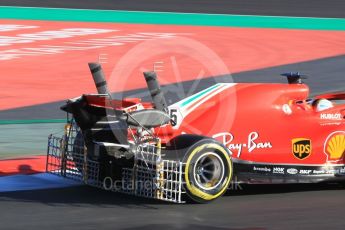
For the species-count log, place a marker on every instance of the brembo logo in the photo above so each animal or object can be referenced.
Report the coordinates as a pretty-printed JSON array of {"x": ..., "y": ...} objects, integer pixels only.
[
  {"x": 301, "y": 148},
  {"x": 330, "y": 116}
]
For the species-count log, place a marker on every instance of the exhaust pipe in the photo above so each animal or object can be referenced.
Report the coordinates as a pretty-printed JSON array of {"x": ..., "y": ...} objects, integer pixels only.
[
  {"x": 99, "y": 78},
  {"x": 155, "y": 91}
]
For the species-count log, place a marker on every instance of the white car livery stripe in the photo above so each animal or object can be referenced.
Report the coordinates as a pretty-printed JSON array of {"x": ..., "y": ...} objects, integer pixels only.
[{"x": 190, "y": 103}]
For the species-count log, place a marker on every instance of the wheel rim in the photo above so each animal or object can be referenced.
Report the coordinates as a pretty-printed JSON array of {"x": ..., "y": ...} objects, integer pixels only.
[{"x": 208, "y": 171}]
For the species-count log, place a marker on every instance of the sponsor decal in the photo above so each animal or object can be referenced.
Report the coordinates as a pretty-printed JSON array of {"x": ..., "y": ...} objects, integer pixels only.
[
  {"x": 320, "y": 171},
  {"x": 331, "y": 116},
  {"x": 251, "y": 145},
  {"x": 279, "y": 170},
  {"x": 331, "y": 171},
  {"x": 298, "y": 170},
  {"x": 292, "y": 171},
  {"x": 334, "y": 146},
  {"x": 301, "y": 148},
  {"x": 305, "y": 171},
  {"x": 342, "y": 170},
  {"x": 330, "y": 123},
  {"x": 261, "y": 169}
]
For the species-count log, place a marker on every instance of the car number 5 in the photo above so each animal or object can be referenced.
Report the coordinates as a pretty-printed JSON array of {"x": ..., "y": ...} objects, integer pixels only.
[{"x": 173, "y": 117}]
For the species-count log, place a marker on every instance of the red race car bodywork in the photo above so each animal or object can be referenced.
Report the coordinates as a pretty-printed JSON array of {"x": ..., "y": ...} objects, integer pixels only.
[
  {"x": 272, "y": 129},
  {"x": 268, "y": 128},
  {"x": 259, "y": 132}
]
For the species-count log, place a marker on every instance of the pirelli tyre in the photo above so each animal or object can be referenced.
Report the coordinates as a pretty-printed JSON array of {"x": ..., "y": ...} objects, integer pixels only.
[{"x": 208, "y": 170}]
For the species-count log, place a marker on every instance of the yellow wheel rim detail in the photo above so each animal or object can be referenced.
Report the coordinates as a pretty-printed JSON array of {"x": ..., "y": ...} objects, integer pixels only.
[{"x": 194, "y": 190}]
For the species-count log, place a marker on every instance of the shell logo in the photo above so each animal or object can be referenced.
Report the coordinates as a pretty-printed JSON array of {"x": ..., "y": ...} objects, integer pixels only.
[{"x": 335, "y": 145}]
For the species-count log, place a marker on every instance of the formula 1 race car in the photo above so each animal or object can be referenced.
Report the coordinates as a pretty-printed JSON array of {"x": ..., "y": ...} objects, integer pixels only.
[{"x": 194, "y": 149}]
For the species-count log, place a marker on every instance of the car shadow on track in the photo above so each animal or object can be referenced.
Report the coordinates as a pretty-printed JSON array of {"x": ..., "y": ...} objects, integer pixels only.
[
  {"x": 262, "y": 189},
  {"x": 84, "y": 195},
  {"x": 78, "y": 196}
]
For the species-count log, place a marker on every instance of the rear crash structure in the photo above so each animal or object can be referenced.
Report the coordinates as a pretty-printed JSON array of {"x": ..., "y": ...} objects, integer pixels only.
[{"x": 121, "y": 146}]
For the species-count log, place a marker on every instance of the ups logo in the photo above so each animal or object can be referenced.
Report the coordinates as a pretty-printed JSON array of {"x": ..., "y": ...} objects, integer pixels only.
[{"x": 301, "y": 148}]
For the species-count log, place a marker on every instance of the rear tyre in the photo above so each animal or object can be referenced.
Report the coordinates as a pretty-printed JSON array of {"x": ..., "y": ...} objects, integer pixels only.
[{"x": 208, "y": 170}]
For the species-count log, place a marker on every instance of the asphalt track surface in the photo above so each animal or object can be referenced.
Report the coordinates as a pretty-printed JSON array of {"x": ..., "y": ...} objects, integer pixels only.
[
  {"x": 252, "y": 207},
  {"x": 249, "y": 207},
  {"x": 302, "y": 8}
]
